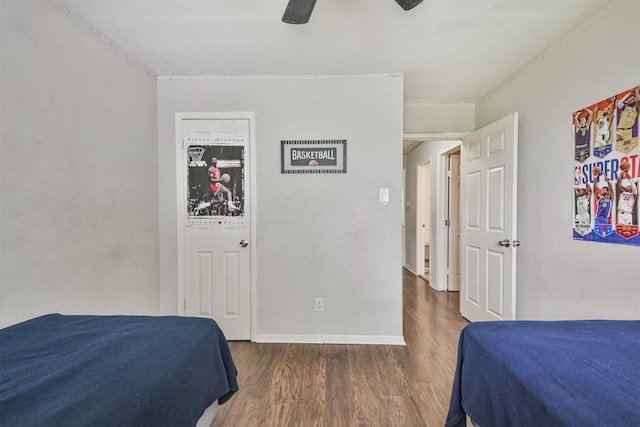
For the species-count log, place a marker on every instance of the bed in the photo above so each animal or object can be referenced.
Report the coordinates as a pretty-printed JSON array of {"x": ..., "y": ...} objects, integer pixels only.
[
  {"x": 547, "y": 373},
  {"x": 58, "y": 370}
]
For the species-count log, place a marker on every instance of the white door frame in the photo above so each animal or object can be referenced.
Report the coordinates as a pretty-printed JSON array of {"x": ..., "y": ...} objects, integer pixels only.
[
  {"x": 420, "y": 200},
  {"x": 452, "y": 248},
  {"x": 442, "y": 230},
  {"x": 181, "y": 198},
  {"x": 443, "y": 196},
  {"x": 404, "y": 214}
]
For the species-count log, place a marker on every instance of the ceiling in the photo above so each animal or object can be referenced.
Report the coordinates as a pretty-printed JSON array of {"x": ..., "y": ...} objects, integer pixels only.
[{"x": 448, "y": 50}]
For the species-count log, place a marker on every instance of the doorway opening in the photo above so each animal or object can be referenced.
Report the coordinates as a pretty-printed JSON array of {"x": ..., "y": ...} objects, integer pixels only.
[{"x": 427, "y": 182}]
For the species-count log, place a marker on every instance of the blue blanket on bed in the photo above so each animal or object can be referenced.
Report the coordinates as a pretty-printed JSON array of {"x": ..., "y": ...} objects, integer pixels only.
[
  {"x": 138, "y": 371},
  {"x": 560, "y": 373}
]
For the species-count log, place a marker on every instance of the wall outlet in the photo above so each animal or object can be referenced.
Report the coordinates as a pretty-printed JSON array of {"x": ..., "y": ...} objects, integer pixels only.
[{"x": 319, "y": 304}]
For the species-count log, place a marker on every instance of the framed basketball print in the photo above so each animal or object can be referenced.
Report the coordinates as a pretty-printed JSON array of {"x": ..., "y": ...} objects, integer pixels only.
[{"x": 314, "y": 156}]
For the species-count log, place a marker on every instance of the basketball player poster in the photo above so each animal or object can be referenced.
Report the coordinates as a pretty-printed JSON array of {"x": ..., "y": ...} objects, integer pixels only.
[
  {"x": 607, "y": 170},
  {"x": 215, "y": 179}
]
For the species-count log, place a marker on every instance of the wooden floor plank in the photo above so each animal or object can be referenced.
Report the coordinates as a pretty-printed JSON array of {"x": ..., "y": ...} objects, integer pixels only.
[{"x": 334, "y": 385}]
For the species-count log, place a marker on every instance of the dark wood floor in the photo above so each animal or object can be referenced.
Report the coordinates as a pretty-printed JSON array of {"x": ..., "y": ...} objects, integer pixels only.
[{"x": 354, "y": 385}]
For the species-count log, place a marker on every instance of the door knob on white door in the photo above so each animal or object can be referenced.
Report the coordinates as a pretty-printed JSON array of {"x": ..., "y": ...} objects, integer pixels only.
[
  {"x": 506, "y": 243},
  {"x": 243, "y": 243}
]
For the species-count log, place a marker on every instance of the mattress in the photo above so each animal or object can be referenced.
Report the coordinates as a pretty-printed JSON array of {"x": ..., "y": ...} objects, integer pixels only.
[
  {"x": 61, "y": 370},
  {"x": 556, "y": 373}
]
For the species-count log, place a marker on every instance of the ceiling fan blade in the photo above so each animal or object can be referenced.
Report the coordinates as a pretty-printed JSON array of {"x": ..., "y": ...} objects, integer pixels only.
[
  {"x": 408, "y": 4},
  {"x": 298, "y": 11}
]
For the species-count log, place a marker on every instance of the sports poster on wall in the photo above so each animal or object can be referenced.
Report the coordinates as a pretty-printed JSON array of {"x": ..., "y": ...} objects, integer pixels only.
[
  {"x": 313, "y": 156},
  {"x": 607, "y": 170},
  {"x": 215, "y": 179}
]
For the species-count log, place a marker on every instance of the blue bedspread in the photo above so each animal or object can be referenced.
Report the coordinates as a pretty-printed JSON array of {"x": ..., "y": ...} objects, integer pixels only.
[
  {"x": 560, "y": 373},
  {"x": 107, "y": 371}
]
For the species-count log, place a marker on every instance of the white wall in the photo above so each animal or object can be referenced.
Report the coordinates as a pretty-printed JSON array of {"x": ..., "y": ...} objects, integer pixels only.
[
  {"x": 558, "y": 277},
  {"x": 317, "y": 235},
  {"x": 427, "y": 152},
  {"x": 78, "y": 171},
  {"x": 424, "y": 117}
]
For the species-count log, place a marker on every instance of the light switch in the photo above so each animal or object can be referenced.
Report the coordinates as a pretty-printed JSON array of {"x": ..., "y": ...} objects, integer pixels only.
[{"x": 384, "y": 195}]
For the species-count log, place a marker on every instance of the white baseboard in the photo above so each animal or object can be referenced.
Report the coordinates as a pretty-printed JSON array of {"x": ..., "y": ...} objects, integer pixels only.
[
  {"x": 431, "y": 282},
  {"x": 331, "y": 339},
  {"x": 411, "y": 270}
]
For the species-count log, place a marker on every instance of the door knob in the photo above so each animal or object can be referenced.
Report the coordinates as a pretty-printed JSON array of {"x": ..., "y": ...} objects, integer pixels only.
[
  {"x": 516, "y": 243},
  {"x": 243, "y": 243},
  {"x": 506, "y": 243}
]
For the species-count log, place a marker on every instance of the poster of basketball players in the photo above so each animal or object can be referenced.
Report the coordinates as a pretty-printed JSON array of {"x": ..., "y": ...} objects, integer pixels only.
[
  {"x": 607, "y": 170},
  {"x": 215, "y": 180}
]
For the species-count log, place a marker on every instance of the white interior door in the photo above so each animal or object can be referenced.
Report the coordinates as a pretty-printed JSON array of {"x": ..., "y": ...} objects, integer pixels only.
[
  {"x": 488, "y": 189},
  {"x": 214, "y": 219}
]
